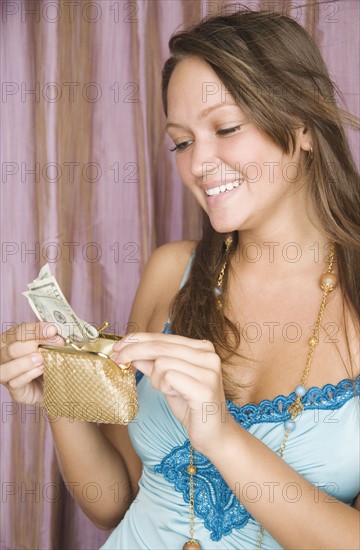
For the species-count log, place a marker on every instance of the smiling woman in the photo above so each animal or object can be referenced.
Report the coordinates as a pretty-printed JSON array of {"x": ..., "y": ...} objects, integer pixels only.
[
  {"x": 221, "y": 145},
  {"x": 248, "y": 376},
  {"x": 240, "y": 393}
]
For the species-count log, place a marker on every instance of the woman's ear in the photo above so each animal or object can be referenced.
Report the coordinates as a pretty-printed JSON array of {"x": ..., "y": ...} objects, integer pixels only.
[{"x": 305, "y": 138}]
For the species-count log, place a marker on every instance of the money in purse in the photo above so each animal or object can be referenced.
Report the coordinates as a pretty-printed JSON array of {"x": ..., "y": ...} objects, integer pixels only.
[{"x": 81, "y": 381}]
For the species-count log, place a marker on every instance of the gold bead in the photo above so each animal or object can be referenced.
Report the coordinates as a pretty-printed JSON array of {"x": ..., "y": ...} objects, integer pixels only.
[
  {"x": 228, "y": 242},
  {"x": 191, "y": 469},
  {"x": 328, "y": 281},
  {"x": 191, "y": 545},
  {"x": 313, "y": 341}
]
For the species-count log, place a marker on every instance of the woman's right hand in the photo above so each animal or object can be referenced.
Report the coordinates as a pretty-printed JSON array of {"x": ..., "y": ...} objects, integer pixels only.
[{"x": 21, "y": 364}]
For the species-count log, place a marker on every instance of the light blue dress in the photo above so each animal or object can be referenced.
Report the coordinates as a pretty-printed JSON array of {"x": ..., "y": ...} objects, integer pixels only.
[{"x": 324, "y": 448}]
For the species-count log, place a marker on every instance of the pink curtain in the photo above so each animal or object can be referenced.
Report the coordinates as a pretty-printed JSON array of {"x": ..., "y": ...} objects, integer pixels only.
[{"x": 89, "y": 186}]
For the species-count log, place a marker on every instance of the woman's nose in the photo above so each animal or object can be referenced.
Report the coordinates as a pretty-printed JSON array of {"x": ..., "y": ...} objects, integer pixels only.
[{"x": 204, "y": 160}]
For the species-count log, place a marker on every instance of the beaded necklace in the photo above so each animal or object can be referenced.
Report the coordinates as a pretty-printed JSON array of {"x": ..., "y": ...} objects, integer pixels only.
[{"x": 327, "y": 283}]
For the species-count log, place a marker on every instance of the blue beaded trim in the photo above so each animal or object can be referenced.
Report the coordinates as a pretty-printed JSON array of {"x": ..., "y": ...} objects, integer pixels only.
[
  {"x": 329, "y": 397},
  {"x": 214, "y": 502}
]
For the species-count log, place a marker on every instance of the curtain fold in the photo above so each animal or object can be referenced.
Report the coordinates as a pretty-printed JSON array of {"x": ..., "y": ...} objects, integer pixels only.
[{"x": 89, "y": 185}]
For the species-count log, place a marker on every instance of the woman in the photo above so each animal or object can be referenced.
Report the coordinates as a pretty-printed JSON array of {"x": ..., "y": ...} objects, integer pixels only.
[{"x": 218, "y": 454}]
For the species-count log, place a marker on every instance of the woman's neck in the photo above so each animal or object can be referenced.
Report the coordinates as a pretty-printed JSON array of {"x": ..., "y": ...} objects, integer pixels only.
[{"x": 281, "y": 253}]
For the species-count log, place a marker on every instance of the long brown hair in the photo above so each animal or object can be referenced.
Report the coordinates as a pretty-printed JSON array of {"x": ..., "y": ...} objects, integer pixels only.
[{"x": 275, "y": 72}]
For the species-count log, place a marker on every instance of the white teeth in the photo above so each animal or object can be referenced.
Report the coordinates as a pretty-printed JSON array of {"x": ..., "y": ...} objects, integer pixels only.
[{"x": 223, "y": 188}]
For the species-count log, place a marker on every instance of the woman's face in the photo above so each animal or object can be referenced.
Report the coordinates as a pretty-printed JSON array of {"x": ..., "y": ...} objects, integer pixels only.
[{"x": 217, "y": 144}]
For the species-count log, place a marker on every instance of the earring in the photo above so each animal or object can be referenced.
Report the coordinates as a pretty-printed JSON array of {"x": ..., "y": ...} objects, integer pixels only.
[{"x": 311, "y": 153}]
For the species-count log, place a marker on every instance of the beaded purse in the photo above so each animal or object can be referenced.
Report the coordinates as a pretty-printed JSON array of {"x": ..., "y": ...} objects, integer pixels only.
[{"x": 86, "y": 384}]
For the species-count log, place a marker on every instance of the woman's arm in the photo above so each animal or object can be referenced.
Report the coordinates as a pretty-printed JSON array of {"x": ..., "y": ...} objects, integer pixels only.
[
  {"x": 93, "y": 471},
  {"x": 315, "y": 520},
  {"x": 98, "y": 463}
]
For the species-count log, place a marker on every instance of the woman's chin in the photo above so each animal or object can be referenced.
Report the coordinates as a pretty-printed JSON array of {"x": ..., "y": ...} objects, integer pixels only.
[{"x": 222, "y": 227}]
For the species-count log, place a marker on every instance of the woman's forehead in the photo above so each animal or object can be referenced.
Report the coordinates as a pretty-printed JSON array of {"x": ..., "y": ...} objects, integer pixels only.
[{"x": 194, "y": 85}]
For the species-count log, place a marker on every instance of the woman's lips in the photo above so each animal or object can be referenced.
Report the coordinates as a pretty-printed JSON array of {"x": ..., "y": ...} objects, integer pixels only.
[{"x": 214, "y": 200}]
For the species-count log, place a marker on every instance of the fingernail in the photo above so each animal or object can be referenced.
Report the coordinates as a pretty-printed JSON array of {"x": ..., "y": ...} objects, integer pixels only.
[
  {"x": 114, "y": 357},
  {"x": 37, "y": 359}
]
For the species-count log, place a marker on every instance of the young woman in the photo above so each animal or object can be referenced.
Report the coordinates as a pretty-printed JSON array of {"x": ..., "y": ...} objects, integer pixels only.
[{"x": 247, "y": 434}]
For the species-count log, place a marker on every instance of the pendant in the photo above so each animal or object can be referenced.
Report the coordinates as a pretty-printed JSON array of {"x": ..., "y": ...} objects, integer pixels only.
[{"x": 192, "y": 544}]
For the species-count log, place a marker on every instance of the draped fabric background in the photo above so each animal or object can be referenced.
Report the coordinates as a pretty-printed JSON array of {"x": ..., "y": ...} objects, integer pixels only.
[{"x": 88, "y": 184}]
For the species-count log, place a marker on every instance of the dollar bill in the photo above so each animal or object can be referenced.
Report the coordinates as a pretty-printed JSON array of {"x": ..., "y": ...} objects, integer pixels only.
[
  {"x": 50, "y": 305},
  {"x": 44, "y": 273}
]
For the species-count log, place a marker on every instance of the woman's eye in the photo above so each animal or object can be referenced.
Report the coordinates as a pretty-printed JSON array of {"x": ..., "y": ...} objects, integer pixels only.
[
  {"x": 181, "y": 146},
  {"x": 226, "y": 131}
]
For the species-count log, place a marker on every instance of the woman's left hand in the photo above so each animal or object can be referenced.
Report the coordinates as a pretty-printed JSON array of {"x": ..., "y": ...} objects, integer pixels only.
[{"x": 188, "y": 373}]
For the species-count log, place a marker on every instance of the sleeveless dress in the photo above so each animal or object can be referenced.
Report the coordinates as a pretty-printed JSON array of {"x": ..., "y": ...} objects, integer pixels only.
[{"x": 324, "y": 449}]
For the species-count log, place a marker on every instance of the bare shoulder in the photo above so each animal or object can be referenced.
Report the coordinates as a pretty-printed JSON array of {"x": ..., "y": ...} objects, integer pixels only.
[
  {"x": 159, "y": 282},
  {"x": 177, "y": 250},
  {"x": 173, "y": 256}
]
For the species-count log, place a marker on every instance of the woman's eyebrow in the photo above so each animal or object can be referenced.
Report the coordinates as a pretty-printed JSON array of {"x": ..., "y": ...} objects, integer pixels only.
[{"x": 204, "y": 113}]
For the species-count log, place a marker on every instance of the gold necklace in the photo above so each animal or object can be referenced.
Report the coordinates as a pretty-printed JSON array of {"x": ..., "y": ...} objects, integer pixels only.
[{"x": 328, "y": 281}]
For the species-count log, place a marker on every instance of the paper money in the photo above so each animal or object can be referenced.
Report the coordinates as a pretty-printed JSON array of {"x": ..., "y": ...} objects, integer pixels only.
[
  {"x": 43, "y": 274},
  {"x": 50, "y": 305}
]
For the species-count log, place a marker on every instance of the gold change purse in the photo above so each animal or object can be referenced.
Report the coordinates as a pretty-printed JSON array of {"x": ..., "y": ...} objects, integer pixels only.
[{"x": 85, "y": 384}]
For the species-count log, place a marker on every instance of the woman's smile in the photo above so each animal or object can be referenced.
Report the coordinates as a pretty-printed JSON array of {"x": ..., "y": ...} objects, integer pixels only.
[{"x": 219, "y": 194}]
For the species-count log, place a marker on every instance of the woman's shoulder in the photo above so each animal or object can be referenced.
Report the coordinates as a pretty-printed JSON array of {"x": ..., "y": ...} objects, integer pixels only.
[
  {"x": 176, "y": 252},
  {"x": 168, "y": 260},
  {"x": 159, "y": 282}
]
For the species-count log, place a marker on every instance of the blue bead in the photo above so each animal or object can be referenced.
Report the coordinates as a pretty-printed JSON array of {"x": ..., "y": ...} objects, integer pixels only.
[
  {"x": 217, "y": 291},
  {"x": 290, "y": 425},
  {"x": 300, "y": 390}
]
